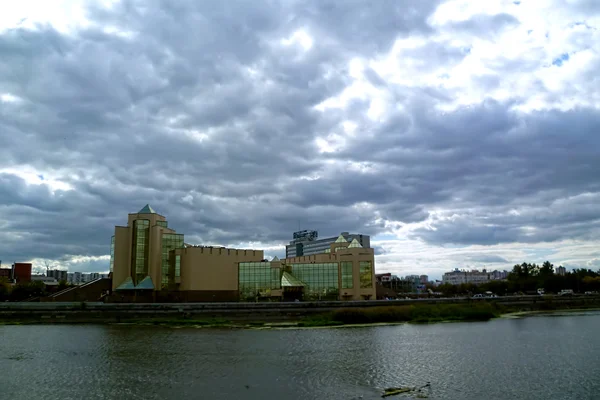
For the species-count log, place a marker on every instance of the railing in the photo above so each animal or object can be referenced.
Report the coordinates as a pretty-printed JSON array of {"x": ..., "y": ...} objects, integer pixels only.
[{"x": 74, "y": 287}]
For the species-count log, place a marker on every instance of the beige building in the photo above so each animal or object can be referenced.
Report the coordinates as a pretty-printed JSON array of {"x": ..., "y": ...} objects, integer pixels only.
[
  {"x": 346, "y": 270},
  {"x": 151, "y": 262}
]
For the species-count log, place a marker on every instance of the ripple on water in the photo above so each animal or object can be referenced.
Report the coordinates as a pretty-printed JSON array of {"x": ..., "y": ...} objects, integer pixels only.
[{"x": 535, "y": 358}]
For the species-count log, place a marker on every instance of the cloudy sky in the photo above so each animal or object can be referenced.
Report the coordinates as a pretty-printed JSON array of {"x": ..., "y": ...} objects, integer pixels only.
[{"x": 457, "y": 133}]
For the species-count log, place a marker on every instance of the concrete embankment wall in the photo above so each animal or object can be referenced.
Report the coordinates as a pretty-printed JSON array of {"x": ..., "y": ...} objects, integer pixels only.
[{"x": 115, "y": 312}]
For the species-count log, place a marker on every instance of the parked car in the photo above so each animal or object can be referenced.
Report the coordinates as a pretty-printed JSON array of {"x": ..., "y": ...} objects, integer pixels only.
[{"x": 566, "y": 292}]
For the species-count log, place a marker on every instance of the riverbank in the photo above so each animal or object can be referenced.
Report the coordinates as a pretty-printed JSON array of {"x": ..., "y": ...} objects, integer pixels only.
[{"x": 341, "y": 317}]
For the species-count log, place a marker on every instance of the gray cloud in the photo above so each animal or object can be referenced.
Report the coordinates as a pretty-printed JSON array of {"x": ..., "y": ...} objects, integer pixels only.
[
  {"x": 202, "y": 112},
  {"x": 488, "y": 258},
  {"x": 485, "y": 25}
]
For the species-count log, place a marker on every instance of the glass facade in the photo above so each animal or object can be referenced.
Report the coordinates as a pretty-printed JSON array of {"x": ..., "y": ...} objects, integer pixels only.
[
  {"x": 366, "y": 274},
  {"x": 112, "y": 253},
  {"x": 141, "y": 236},
  {"x": 257, "y": 279},
  {"x": 177, "y": 266},
  {"x": 164, "y": 224},
  {"x": 347, "y": 282},
  {"x": 170, "y": 241},
  {"x": 321, "y": 280}
]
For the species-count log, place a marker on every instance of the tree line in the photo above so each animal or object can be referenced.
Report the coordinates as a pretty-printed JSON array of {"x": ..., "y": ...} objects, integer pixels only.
[{"x": 527, "y": 278}]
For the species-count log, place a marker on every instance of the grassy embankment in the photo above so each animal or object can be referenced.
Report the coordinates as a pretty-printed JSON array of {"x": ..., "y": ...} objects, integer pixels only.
[
  {"x": 427, "y": 313},
  {"x": 421, "y": 313},
  {"x": 413, "y": 313}
]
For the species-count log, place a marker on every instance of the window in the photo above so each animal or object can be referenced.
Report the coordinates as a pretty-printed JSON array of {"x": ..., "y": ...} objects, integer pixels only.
[
  {"x": 177, "y": 266},
  {"x": 366, "y": 274},
  {"x": 257, "y": 279},
  {"x": 321, "y": 280},
  {"x": 347, "y": 281},
  {"x": 164, "y": 224},
  {"x": 112, "y": 253},
  {"x": 140, "y": 248},
  {"x": 170, "y": 241}
]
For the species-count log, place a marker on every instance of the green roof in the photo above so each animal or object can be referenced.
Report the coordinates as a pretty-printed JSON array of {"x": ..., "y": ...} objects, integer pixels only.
[
  {"x": 341, "y": 239},
  {"x": 146, "y": 283},
  {"x": 126, "y": 285},
  {"x": 289, "y": 280},
  {"x": 147, "y": 210},
  {"x": 354, "y": 244}
]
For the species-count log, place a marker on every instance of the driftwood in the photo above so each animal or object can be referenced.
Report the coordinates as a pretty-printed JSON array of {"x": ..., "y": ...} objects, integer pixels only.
[{"x": 393, "y": 391}]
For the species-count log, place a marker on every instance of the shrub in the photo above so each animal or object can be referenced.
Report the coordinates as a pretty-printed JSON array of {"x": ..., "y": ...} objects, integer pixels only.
[{"x": 418, "y": 313}]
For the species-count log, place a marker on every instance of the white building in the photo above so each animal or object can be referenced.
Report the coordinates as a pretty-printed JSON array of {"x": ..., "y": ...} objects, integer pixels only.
[
  {"x": 77, "y": 278},
  {"x": 458, "y": 277}
]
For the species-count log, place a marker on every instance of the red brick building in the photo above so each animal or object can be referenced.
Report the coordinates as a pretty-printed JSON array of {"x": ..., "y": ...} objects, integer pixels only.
[{"x": 22, "y": 272}]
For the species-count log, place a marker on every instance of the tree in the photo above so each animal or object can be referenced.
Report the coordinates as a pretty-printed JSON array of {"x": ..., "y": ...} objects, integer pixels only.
[
  {"x": 547, "y": 269},
  {"x": 5, "y": 289},
  {"x": 591, "y": 282},
  {"x": 23, "y": 291}
]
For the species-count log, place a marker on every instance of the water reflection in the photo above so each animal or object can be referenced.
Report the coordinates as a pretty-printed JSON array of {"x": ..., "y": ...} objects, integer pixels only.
[{"x": 534, "y": 358}]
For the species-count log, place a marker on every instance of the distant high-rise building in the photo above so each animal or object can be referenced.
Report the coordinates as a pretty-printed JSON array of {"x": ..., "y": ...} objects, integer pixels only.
[
  {"x": 306, "y": 243},
  {"x": 561, "y": 270},
  {"x": 58, "y": 274},
  {"x": 498, "y": 275}
]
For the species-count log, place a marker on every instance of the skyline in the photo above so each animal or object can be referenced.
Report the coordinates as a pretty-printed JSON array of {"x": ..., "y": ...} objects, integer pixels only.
[{"x": 455, "y": 133}]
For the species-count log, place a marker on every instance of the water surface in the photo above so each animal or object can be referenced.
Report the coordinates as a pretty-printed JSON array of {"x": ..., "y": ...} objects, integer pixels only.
[{"x": 541, "y": 357}]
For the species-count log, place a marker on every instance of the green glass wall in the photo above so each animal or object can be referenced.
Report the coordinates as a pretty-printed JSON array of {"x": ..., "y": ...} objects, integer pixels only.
[
  {"x": 170, "y": 241},
  {"x": 141, "y": 237},
  {"x": 112, "y": 253},
  {"x": 164, "y": 224},
  {"x": 177, "y": 266},
  {"x": 321, "y": 280},
  {"x": 257, "y": 279},
  {"x": 366, "y": 274},
  {"x": 347, "y": 281}
]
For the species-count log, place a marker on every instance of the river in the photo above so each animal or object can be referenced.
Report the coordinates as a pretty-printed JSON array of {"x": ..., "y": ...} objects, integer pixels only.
[{"x": 540, "y": 357}]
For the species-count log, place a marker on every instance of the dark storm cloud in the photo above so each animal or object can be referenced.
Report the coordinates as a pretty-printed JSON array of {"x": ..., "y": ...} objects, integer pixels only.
[
  {"x": 116, "y": 112},
  {"x": 201, "y": 111}
]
